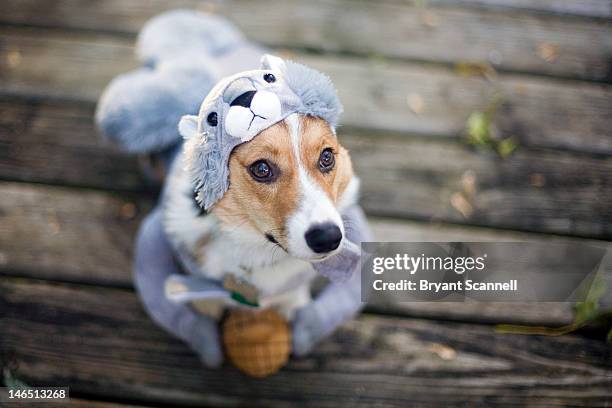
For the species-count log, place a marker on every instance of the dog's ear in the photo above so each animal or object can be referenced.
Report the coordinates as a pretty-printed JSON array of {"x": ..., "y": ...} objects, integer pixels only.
[
  {"x": 273, "y": 63},
  {"x": 188, "y": 126}
]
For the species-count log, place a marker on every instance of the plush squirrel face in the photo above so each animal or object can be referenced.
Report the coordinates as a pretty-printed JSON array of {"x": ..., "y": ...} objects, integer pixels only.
[
  {"x": 254, "y": 110},
  {"x": 263, "y": 153}
]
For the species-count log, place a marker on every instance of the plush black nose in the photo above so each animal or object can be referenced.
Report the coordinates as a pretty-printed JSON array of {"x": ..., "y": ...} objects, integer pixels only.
[
  {"x": 244, "y": 99},
  {"x": 323, "y": 237}
]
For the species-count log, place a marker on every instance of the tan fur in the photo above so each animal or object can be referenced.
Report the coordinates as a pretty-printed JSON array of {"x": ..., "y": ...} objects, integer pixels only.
[
  {"x": 266, "y": 207},
  {"x": 317, "y": 136}
]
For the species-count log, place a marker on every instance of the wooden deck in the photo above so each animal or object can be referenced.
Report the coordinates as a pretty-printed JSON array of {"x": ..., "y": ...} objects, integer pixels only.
[{"x": 409, "y": 73}]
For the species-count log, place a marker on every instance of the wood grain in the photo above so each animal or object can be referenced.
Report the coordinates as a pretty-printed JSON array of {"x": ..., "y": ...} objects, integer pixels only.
[
  {"x": 407, "y": 177},
  {"x": 57, "y": 233},
  {"x": 74, "y": 403},
  {"x": 87, "y": 236},
  {"x": 68, "y": 315},
  {"x": 432, "y": 31},
  {"x": 377, "y": 94},
  {"x": 100, "y": 348},
  {"x": 585, "y": 8},
  {"x": 435, "y": 180},
  {"x": 57, "y": 143}
]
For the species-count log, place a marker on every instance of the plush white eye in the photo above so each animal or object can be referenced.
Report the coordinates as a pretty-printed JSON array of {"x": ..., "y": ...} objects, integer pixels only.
[
  {"x": 237, "y": 121},
  {"x": 244, "y": 122},
  {"x": 267, "y": 105}
]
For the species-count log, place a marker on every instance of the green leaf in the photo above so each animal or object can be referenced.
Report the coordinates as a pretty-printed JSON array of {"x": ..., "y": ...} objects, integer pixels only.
[
  {"x": 13, "y": 383},
  {"x": 506, "y": 147},
  {"x": 585, "y": 312},
  {"x": 597, "y": 289},
  {"x": 478, "y": 128}
]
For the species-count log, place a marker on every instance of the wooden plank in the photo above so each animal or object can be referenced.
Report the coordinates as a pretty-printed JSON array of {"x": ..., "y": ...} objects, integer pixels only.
[
  {"x": 74, "y": 403},
  {"x": 411, "y": 98},
  {"x": 99, "y": 348},
  {"x": 57, "y": 143},
  {"x": 391, "y": 96},
  {"x": 61, "y": 66},
  {"x": 59, "y": 233},
  {"x": 83, "y": 403},
  {"x": 86, "y": 236},
  {"x": 583, "y": 8},
  {"x": 427, "y": 179},
  {"x": 407, "y": 30},
  {"x": 532, "y": 191}
]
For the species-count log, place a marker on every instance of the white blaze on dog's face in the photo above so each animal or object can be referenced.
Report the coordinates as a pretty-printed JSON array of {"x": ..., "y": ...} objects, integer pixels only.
[{"x": 286, "y": 185}]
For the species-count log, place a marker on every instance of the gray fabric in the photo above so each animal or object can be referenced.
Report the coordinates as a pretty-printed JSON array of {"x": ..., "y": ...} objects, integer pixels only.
[
  {"x": 185, "y": 54},
  {"x": 299, "y": 89},
  {"x": 153, "y": 264},
  {"x": 339, "y": 301},
  {"x": 139, "y": 110}
]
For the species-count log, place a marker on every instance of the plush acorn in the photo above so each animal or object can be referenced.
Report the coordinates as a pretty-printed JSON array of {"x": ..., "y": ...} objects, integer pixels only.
[{"x": 258, "y": 343}]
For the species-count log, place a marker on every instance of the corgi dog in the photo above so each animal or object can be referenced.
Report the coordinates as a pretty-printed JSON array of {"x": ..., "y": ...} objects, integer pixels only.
[
  {"x": 258, "y": 197},
  {"x": 282, "y": 212}
]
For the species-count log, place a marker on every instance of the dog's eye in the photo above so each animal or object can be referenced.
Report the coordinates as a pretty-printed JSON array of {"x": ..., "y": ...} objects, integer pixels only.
[
  {"x": 212, "y": 119},
  {"x": 327, "y": 160},
  {"x": 262, "y": 171},
  {"x": 269, "y": 78}
]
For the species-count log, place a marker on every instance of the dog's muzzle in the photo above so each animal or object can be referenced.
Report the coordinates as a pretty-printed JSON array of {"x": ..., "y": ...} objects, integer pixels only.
[{"x": 323, "y": 238}]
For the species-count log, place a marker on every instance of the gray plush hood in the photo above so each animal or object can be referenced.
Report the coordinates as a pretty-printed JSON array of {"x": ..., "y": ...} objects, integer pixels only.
[{"x": 239, "y": 107}]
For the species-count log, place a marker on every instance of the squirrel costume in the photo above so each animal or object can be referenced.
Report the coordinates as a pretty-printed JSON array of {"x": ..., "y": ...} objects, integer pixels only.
[{"x": 158, "y": 110}]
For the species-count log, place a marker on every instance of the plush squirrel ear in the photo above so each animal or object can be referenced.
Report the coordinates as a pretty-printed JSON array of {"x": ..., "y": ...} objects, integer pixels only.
[
  {"x": 273, "y": 63},
  {"x": 188, "y": 126}
]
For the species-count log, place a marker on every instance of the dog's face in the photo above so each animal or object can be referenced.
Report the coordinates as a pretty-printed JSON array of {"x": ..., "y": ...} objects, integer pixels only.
[{"x": 286, "y": 185}]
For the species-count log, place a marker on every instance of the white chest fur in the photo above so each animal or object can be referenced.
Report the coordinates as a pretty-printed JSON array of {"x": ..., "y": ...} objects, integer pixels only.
[{"x": 283, "y": 282}]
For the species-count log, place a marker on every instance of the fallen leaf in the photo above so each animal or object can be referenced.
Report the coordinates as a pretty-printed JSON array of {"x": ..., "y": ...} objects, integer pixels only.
[
  {"x": 443, "y": 351},
  {"x": 430, "y": 19},
  {"x": 468, "y": 183},
  {"x": 13, "y": 58},
  {"x": 548, "y": 52},
  {"x": 537, "y": 180},
  {"x": 416, "y": 103},
  {"x": 128, "y": 211},
  {"x": 478, "y": 128},
  {"x": 506, "y": 147},
  {"x": 470, "y": 69},
  {"x": 461, "y": 204}
]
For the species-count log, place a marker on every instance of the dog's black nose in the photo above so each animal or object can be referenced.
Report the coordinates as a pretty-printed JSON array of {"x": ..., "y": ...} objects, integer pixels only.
[
  {"x": 323, "y": 237},
  {"x": 244, "y": 100}
]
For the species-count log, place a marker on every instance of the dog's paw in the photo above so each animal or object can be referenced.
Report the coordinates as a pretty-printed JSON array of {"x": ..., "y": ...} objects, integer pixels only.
[
  {"x": 212, "y": 358},
  {"x": 206, "y": 342},
  {"x": 305, "y": 329}
]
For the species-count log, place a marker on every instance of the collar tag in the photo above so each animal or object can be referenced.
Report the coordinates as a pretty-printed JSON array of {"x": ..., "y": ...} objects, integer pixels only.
[{"x": 241, "y": 291}]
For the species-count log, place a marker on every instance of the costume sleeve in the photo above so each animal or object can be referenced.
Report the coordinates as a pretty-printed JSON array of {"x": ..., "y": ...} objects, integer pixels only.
[
  {"x": 154, "y": 262},
  {"x": 339, "y": 301}
]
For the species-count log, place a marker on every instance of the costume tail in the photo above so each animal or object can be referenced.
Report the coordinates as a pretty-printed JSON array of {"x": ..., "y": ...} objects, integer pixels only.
[{"x": 184, "y": 53}]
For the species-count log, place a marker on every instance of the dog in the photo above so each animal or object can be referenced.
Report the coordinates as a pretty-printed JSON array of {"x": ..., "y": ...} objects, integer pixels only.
[
  {"x": 259, "y": 197},
  {"x": 282, "y": 211}
]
